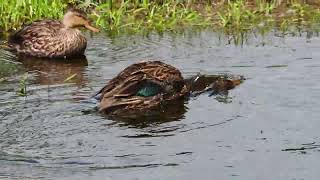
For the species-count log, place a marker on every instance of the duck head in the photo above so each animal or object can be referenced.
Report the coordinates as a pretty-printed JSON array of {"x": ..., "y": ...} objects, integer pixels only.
[{"x": 77, "y": 18}]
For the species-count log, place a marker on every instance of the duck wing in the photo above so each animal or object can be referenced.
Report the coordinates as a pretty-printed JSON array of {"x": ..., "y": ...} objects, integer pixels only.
[
  {"x": 35, "y": 34},
  {"x": 142, "y": 86},
  {"x": 153, "y": 71}
]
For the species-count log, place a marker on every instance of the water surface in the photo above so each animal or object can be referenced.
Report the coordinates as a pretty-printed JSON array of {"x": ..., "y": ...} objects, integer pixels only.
[{"x": 268, "y": 129}]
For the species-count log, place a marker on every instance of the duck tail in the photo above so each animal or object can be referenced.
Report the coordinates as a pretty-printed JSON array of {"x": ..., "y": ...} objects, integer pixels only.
[{"x": 98, "y": 95}]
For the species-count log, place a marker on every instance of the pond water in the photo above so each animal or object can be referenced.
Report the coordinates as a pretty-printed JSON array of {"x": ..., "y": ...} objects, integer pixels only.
[{"x": 268, "y": 128}]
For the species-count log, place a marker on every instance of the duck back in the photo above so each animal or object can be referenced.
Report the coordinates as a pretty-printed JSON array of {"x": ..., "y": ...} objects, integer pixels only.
[{"x": 48, "y": 39}]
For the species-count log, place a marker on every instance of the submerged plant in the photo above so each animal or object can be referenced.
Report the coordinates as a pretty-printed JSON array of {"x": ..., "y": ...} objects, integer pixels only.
[
  {"x": 23, "y": 85},
  {"x": 68, "y": 79}
]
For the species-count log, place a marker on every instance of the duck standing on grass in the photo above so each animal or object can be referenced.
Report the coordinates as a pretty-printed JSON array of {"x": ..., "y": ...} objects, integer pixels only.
[{"x": 53, "y": 38}]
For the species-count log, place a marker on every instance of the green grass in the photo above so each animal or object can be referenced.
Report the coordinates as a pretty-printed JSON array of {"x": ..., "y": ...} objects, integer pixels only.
[
  {"x": 14, "y": 13},
  {"x": 233, "y": 17},
  {"x": 147, "y": 15},
  {"x": 300, "y": 16},
  {"x": 239, "y": 18}
]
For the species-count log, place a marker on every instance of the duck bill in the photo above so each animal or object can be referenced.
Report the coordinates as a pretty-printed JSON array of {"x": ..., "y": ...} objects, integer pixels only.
[{"x": 91, "y": 28}]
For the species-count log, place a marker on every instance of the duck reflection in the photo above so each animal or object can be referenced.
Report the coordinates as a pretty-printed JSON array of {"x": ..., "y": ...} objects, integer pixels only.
[
  {"x": 169, "y": 112},
  {"x": 51, "y": 71}
]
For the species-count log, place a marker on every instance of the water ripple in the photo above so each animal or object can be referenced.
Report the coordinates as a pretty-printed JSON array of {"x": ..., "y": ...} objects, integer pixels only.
[{"x": 55, "y": 132}]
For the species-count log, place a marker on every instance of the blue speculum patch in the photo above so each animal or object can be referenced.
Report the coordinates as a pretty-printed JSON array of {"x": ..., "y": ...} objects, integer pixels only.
[{"x": 148, "y": 90}]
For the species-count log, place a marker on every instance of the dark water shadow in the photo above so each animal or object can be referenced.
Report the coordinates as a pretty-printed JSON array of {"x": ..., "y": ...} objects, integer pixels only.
[
  {"x": 171, "y": 111},
  {"x": 8, "y": 67},
  {"x": 135, "y": 166},
  {"x": 16, "y": 158},
  {"x": 303, "y": 148}
]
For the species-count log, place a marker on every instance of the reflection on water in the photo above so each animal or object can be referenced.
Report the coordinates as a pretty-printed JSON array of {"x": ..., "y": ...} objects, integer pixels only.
[
  {"x": 50, "y": 71},
  {"x": 7, "y": 66},
  {"x": 173, "y": 111},
  {"x": 53, "y": 134}
]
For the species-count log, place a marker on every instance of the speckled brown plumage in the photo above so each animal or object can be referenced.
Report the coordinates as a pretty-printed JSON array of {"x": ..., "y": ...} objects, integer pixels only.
[
  {"x": 52, "y": 38},
  {"x": 120, "y": 94}
]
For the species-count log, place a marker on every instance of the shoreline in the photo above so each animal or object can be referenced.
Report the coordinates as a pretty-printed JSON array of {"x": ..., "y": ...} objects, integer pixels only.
[{"x": 231, "y": 18}]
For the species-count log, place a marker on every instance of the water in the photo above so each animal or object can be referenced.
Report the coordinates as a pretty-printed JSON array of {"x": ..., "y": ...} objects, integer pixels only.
[{"x": 268, "y": 129}]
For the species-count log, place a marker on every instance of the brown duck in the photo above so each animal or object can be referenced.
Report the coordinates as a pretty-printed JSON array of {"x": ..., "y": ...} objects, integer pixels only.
[
  {"x": 53, "y": 38},
  {"x": 148, "y": 85}
]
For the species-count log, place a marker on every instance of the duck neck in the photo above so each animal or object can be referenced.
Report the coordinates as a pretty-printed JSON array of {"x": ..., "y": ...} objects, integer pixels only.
[
  {"x": 72, "y": 39},
  {"x": 66, "y": 21}
]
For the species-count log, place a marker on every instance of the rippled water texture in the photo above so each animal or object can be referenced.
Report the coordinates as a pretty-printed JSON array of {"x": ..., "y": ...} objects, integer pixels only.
[{"x": 268, "y": 128}]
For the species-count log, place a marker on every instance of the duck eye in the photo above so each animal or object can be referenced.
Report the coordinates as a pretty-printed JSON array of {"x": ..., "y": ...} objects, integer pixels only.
[{"x": 148, "y": 89}]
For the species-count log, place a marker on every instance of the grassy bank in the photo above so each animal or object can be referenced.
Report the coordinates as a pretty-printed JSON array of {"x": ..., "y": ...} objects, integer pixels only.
[
  {"x": 144, "y": 15},
  {"x": 15, "y": 13},
  {"x": 117, "y": 16}
]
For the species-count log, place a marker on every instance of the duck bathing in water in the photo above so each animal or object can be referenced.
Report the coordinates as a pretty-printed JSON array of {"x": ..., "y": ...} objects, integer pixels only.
[
  {"x": 53, "y": 38},
  {"x": 148, "y": 85}
]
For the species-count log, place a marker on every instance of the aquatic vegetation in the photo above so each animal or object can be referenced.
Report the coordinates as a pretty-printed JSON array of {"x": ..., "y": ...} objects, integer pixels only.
[
  {"x": 266, "y": 7},
  {"x": 299, "y": 16},
  {"x": 148, "y": 15},
  {"x": 70, "y": 77},
  {"x": 22, "y": 91},
  {"x": 239, "y": 18},
  {"x": 234, "y": 18},
  {"x": 15, "y": 13},
  {"x": 236, "y": 15}
]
